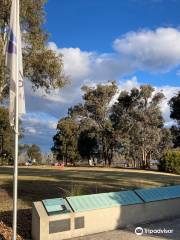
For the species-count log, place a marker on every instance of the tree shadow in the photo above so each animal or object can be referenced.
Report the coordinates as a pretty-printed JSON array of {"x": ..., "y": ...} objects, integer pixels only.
[
  {"x": 35, "y": 190},
  {"x": 23, "y": 223},
  {"x": 133, "y": 177}
]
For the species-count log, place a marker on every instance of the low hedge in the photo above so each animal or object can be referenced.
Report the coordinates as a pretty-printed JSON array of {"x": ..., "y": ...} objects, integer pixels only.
[{"x": 170, "y": 162}]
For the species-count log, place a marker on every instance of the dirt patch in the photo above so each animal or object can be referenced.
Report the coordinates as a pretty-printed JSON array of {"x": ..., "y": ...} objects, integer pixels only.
[
  {"x": 23, "y": 228},
  {"x": 6, "y": 232}
]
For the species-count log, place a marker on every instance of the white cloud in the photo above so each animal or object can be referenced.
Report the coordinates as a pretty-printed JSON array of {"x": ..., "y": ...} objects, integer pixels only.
[
  {"x": 39, "y": 122},
  {"x": 154, "y": 51},
  {"x": 87, "y": 67},
  {"x": 30, "y": 130},
  {"x": 128, "y": 84},
  {"x": 76, "y": 62}
]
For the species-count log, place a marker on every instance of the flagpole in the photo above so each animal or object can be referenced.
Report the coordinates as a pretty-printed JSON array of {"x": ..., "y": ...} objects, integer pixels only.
[{"x": 15, "y": 178}]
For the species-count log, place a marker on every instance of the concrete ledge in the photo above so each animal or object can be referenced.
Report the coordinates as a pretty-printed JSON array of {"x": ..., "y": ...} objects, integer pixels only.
[{"x": 74, "y": 224}]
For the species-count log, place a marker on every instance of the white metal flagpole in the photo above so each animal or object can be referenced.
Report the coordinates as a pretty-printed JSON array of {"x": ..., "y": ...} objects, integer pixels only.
[{"x": 15, "y": 179}]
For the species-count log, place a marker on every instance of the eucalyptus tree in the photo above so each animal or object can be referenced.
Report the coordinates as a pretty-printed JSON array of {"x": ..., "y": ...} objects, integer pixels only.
[
  {"x": 7, "y": 136},
  {"x": 6, "y": 133},
  {"x": 42, "y": 66},
  {"x": 65, "y": 146},
  {"x": 34, "y": 153},
  {"x": 138, "y": 118},
  {"x": 175, "y": 107},
  {"x": 88, "y": 144},
  {"x": 175, "y": 115},
  {"x": 94, "y": 113}
]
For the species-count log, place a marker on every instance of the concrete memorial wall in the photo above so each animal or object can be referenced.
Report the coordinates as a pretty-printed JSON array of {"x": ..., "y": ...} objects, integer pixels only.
[{"x": 56, "y": 219}]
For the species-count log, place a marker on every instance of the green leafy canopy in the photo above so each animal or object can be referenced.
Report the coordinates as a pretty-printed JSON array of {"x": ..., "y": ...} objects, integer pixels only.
[{"x": 42, "y": 66}]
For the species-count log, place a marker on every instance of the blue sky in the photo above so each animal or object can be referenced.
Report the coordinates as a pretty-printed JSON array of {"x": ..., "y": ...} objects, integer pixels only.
[
  {"x": 131, "y": 41},
  {"x": 92, "y": 25}
]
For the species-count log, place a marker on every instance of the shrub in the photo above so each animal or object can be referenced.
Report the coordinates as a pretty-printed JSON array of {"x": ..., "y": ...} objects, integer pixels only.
[{"x": 170, "y": 162}]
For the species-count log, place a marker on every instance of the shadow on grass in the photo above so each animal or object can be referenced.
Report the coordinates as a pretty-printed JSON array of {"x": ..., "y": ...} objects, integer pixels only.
[
  {"x": 35, "y": 184},
  {"x": 36, "y": 190},
  {"x": 23, "y": 223},
  {"x": 99, "y": 176}
]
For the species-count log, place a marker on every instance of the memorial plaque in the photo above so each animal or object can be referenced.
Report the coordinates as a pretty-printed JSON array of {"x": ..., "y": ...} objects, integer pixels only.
[
  {"x": 79, "y": 222},
  {"x": 59, "y": 226},
  {"x": 56, "y": 206},
  {"x": 103, "y": 200},
  {"x": 160, "y": 193}
]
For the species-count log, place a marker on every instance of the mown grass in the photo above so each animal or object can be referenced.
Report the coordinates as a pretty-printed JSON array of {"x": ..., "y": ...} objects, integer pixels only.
[{"x": 36, "y": 183}]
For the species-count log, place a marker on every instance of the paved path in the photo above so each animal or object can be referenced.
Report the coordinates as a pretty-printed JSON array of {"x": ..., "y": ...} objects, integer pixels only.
[{"x": 129, "y": 234}]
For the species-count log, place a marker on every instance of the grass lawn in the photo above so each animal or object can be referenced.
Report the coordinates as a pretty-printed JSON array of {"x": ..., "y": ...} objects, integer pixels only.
[{"x": 37, "y": 183}]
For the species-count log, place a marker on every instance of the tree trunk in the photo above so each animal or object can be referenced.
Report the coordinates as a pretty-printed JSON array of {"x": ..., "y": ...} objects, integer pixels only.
[
  {"x": 143, "y": 159},
  {"x": 66, "y": 157},
  {"x": 149, "y": 160},
  {"x": 134, "y": 163}
]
